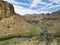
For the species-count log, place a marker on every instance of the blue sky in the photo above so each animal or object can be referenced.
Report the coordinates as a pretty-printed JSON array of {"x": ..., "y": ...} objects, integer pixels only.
[{"x": 23, "y": 7}]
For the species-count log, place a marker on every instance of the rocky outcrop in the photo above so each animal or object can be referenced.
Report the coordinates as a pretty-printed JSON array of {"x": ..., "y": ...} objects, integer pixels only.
[
  {"x": 13, "y": 25},
  {"x": 50, "y": 22},
  {"x": 33, "y": 17},
  {"x": 6, "y": 10},
  {"x": 10, "y": 22}
]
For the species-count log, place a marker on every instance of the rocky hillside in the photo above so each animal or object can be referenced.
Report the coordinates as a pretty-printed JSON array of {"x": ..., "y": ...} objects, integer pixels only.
[
  {"x": 27, "y": 30},
  {"x": 6, "y": 10},
  {"x": 54, "y": 15},
  {"x": 33, "y": 17},
  {"x": 51, "y": 22},
  {"x": 10, "y": 22}
]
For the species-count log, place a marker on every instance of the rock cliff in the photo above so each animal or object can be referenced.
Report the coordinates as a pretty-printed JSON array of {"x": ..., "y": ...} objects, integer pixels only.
[
  {"x": 6, "y": 9},
  {"x": 10, "y": 22}
]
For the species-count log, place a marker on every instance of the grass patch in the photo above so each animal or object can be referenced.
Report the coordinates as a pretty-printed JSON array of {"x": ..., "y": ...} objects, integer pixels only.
[
  {"x": 35, "y": 31},
  {"x": 30, "y": 34}
]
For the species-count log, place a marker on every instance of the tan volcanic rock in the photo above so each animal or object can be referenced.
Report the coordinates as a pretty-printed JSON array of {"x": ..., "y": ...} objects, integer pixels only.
[
  {"x": 10, "y": 22},
  {"x": 14, "y": 24},
  {"x": 51, "y": 22},
  {"x": 6, "y": 10}
]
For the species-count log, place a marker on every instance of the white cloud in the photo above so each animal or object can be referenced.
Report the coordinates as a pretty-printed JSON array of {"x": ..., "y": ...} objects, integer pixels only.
[
  {"x": 50, "y": 5},
  {"x": 23, "y": 11},
  {"x": 12, "y": 1},
  {"x": 47, "y": 6},
  {"x": 56, "y": 1},
  {"x": 15, "y": 2},
  {"x": 36, "y": 2},
  {"x": 54, "y": 6}
]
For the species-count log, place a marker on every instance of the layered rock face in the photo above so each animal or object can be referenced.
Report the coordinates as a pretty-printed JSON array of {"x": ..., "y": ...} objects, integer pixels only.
[
  {"x": 51, "y": 22},
  {"x": 10, "y": 22},
  {"x": 33, "y": 17},
  {"x": 6, "y": 9}
]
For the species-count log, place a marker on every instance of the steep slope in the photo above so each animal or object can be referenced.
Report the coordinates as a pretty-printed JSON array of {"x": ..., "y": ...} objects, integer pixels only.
[
  {"x": 51, "y": 22},
  {"x": 6, "y": 10},
  {"x": 14, "y": 25},
  {"x": 11, "y": 23}
]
